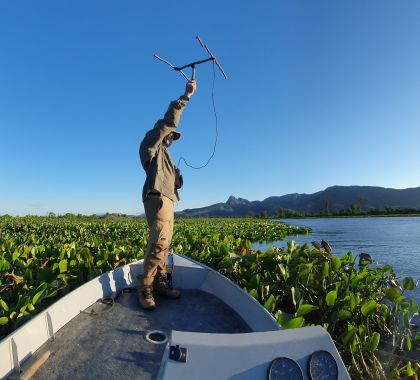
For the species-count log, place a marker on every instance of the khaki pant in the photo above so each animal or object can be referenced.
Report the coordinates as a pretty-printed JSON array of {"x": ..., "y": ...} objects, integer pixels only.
[{"x": 160, "y": 218}]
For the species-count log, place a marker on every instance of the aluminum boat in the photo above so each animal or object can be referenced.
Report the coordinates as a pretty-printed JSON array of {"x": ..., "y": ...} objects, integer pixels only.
[{"x": 214, "y": 331}]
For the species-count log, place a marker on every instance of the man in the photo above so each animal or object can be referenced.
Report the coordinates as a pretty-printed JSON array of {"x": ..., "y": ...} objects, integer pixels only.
[{"x": 160, "y": 191}]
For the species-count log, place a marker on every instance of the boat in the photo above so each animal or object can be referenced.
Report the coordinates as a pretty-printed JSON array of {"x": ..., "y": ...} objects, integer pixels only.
[{"x": 214, "y": 331}]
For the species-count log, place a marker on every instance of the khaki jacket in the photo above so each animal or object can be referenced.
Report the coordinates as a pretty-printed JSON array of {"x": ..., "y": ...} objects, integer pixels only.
[{"x": 155, "y": 158}]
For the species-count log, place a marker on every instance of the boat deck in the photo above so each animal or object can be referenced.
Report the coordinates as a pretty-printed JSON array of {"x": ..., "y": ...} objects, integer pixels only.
[{"x": 110, "y": 343}]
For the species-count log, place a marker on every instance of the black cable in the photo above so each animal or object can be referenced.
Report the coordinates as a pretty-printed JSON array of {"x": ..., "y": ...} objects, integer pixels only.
[{"x": 217, "y": 131}]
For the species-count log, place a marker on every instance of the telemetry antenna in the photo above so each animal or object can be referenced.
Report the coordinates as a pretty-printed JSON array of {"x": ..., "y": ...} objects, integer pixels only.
[{"x": 193, "y": 64}]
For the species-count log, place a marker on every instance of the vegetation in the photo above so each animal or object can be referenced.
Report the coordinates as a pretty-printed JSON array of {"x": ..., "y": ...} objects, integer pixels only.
[
  {"x": 42, "y": 259},
  {"x": 361, "y": 305},
  {"x": 354, "y": 210}
]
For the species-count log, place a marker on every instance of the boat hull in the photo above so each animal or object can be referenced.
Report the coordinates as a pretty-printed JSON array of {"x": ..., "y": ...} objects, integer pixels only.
[{"x": 226, "y": 332}]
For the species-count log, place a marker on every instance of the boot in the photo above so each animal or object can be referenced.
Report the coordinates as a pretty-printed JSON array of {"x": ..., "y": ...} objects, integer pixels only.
[
  {"x": 145, "y": 294},
  {"x": 161, "y": 287}
]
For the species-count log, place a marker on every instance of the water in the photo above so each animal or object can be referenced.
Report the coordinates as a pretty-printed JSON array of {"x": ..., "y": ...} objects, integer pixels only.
[{"x": 394, "y": 241}]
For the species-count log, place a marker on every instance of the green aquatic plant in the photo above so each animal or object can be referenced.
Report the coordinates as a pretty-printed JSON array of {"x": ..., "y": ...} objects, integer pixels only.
[
  {"x": 42, "y": 259},
  {"x": 362, "y": 304}
]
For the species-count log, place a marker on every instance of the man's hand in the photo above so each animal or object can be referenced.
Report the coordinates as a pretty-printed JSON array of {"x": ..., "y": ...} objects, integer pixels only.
[{"x": 190, "y": 88}]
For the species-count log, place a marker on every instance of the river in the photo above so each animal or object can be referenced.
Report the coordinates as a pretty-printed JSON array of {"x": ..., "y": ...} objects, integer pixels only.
[{"x": 389, "y": 240}]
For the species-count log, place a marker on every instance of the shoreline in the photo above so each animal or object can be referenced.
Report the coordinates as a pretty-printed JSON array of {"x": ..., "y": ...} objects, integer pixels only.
[{"x": 347, "y": 216}]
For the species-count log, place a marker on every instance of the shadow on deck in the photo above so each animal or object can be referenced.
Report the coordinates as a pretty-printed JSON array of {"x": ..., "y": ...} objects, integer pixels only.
[{"x": 110, "y": 343}]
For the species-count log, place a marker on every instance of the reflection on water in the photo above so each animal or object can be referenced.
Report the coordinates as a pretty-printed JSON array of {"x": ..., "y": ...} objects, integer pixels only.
[{"x": 394, "y": 241}]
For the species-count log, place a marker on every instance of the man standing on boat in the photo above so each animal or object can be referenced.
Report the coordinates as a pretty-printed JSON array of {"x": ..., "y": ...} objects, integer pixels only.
[{"x": 160, "y": 191}]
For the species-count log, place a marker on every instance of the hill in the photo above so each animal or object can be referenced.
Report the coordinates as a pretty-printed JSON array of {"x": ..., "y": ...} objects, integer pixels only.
[{"x": 332, "y": 199}]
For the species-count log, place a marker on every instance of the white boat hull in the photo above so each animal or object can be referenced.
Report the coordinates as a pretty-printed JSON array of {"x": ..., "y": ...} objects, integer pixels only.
[{"x": 210, "y": 356}]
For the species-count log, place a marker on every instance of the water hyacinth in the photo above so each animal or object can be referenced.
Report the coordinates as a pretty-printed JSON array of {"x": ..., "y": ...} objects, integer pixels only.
[{"x": 362, "y": 304}]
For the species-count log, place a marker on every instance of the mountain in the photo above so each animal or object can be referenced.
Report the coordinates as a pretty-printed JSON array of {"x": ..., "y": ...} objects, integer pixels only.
[{"x": 332, "y": 199}]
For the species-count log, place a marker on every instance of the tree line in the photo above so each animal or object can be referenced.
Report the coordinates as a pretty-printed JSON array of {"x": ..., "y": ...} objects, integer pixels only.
[{"x": 354, "y": 210}]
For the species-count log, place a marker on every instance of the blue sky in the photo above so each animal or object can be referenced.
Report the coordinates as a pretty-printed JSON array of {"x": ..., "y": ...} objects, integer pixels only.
[{"x": 320, "y": 93}]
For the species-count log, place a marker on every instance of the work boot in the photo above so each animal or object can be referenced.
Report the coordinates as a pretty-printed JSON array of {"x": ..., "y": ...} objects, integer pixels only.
[
  {"x": 161, "y": 287},
  {"x": 145, "y": 297}
]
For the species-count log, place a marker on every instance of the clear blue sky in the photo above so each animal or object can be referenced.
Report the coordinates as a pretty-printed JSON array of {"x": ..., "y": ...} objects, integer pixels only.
[{"x": 320, "y": 93}]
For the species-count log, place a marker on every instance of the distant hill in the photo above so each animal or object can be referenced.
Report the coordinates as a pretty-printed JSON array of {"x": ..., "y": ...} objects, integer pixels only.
[{"x": 332, "y": 199}]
